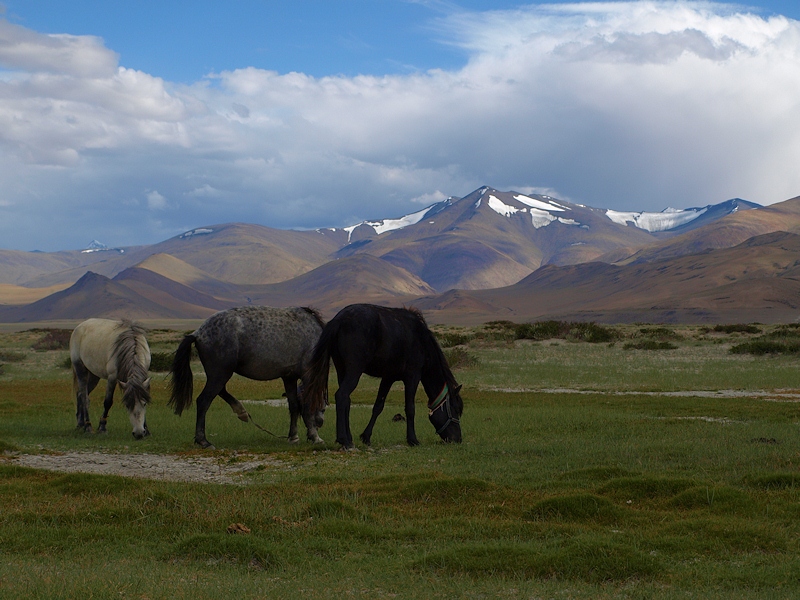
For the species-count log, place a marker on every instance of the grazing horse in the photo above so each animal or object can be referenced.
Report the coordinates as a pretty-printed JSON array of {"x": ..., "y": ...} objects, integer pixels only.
[
  {"x": 394, "y": 344},
  {"x": 116, "y": 351},
  {"x": 257, "y": 342}
]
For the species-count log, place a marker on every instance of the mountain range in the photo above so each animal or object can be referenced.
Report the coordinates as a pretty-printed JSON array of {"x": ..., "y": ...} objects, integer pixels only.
[{"x": 489, "y": 255}]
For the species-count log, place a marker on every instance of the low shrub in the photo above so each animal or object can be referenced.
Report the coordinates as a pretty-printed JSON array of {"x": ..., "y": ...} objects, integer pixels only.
[
  {"x": 762, "y": 346},
  {"x": 736, "y": 328},
  {"x": 649, "y": 345},
  {"x": 459, "y": 358},
  {"x": 9, "y": 357},
  {"x": 660, "y": 333},
  {"x": 547, "y": 330},
  {"x": 450, "y": 339},
  {"x": 161, "y": 362},
  {"x": 53, "y": 339}
]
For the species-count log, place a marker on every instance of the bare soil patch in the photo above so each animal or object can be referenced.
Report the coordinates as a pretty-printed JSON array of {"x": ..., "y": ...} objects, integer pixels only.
[{"x": 201, "y": 469}]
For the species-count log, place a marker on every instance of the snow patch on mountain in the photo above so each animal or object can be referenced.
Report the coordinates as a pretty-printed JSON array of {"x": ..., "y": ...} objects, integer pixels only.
[
  {"x": 193, "y": 232},
  {"x": 500, "y": 207},
  {"x": 532, "y": 202},
  {"x": 669, "y": 218},
  {"x": 385, "y": 225}
]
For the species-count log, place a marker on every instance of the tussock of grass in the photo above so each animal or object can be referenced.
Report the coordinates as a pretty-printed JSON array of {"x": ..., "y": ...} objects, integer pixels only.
[
  {"x": 584, "y": 559},
  {"x": 80, "y": 484},
  {"x": 576, "y": 507},
  {"x": 434, "y": 490},
  {"x": 597, "y": 473},
  {"x": 226, "y": 549},
  {"x": 644, "y": 488},
  {"x": 331, "y": 508},
  {"x": 718, "y": 499},
  {"x": 773, "y": 481}
]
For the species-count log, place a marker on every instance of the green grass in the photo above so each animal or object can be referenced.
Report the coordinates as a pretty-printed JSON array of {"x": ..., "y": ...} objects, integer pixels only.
[{"x": 607, "y": 493}]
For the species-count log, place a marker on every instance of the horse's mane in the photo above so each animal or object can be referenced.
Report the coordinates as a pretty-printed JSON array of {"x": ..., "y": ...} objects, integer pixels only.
[
  {"x": 436, "y": 359},
  {"x": 315, "y": 313},
  {"x": 129, "y": 342}
]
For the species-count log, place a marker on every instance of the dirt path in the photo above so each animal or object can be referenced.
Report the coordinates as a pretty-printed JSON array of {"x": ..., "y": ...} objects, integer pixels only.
[{"x": 150, "y": 466}]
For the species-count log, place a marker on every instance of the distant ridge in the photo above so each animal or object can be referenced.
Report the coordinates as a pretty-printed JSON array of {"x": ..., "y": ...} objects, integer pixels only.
[{"x": 489, "y": 255}]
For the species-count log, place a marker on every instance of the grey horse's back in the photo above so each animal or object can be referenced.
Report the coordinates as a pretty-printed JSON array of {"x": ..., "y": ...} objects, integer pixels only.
[{"x": 261, "y": 342}]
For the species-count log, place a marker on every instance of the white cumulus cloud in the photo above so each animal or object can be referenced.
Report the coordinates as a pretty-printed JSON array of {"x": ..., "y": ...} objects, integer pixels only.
[{"x": 630, "y": 106}]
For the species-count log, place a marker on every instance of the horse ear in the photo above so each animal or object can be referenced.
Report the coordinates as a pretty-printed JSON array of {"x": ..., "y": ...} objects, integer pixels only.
[
  {"x": 458, "y": 388},
  {"x": 123, "y": 385},
  {"x": 146, "y": 383}
]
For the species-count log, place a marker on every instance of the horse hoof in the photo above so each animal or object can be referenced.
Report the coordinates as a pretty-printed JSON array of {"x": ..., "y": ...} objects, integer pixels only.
[
  {"x": 295, "y": 439},
  {"x": 244, "y": 417},
  {"x": 205, "y": 445},
  {"x": 317, "y": 440}
]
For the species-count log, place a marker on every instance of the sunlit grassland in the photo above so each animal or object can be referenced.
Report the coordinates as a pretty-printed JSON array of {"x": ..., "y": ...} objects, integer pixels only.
[{"x": 609, "y": 493}]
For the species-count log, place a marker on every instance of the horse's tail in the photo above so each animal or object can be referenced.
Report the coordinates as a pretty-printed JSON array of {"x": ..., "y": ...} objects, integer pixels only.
[
  {"x": 315, "y": 379},
  {"x": 182, "y": 380}
]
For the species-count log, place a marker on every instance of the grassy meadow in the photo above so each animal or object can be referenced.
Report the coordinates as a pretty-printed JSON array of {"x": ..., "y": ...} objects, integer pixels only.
[{"x": 631, "y": 462}]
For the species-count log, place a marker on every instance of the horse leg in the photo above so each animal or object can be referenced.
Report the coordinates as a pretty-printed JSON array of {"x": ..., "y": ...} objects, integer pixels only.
[
  {"x": 235, "y": 405},
  {"x": 346, "y": 387},
  {"x": 296, "y": 410},
  {"x": 380, "y": 401},
  {"x": 213, "y": 387},
  {"x": 84, "y": 379},
  {"x": 111, "y": 385},
  {"x": 290, "y": 386},
  {"x": 411, "y": 393}
]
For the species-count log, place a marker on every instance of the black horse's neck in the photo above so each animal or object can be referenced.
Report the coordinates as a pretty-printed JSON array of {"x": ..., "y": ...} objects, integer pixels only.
[{"x": 435, "y": 385}]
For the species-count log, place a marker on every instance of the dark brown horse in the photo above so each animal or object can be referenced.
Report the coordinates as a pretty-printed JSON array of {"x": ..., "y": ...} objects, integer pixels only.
[{"x": 394, "y": 344}]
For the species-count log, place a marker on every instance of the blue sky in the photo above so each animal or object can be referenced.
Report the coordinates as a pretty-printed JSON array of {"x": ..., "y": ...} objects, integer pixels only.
[{"x": 133, "y": 122}]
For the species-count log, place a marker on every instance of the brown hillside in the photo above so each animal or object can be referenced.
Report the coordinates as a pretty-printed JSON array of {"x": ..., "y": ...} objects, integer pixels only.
[
  {"x": 758, "y": 280},
  {"x": 174, "y": 296},
  {"x": 251, "y": 254},
  {"x": 92, "y": 295},
  {"x": 17, "y": 295},
  {"x": 182, "y": 272},
  {"x": 723, "y": 233},
  {"x": 361, "y": 278}
]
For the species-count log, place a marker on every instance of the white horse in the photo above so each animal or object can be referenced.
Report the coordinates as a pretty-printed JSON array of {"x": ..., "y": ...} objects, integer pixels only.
[{"x": 116, "y": 351}]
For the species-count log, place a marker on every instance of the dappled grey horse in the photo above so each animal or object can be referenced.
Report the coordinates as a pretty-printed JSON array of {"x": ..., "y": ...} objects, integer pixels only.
[
  {"x": 257, "y": 342},
  {"x": 118, "y": 352}
]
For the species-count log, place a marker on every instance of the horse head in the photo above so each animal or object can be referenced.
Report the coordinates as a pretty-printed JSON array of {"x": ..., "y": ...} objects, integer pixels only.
[
  {"x": 135, "y": 397},
  {"x": 444, "y": 412}
]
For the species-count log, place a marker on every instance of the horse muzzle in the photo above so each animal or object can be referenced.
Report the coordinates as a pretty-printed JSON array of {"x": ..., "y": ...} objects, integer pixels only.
[{"x": 141, "y": 434}]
